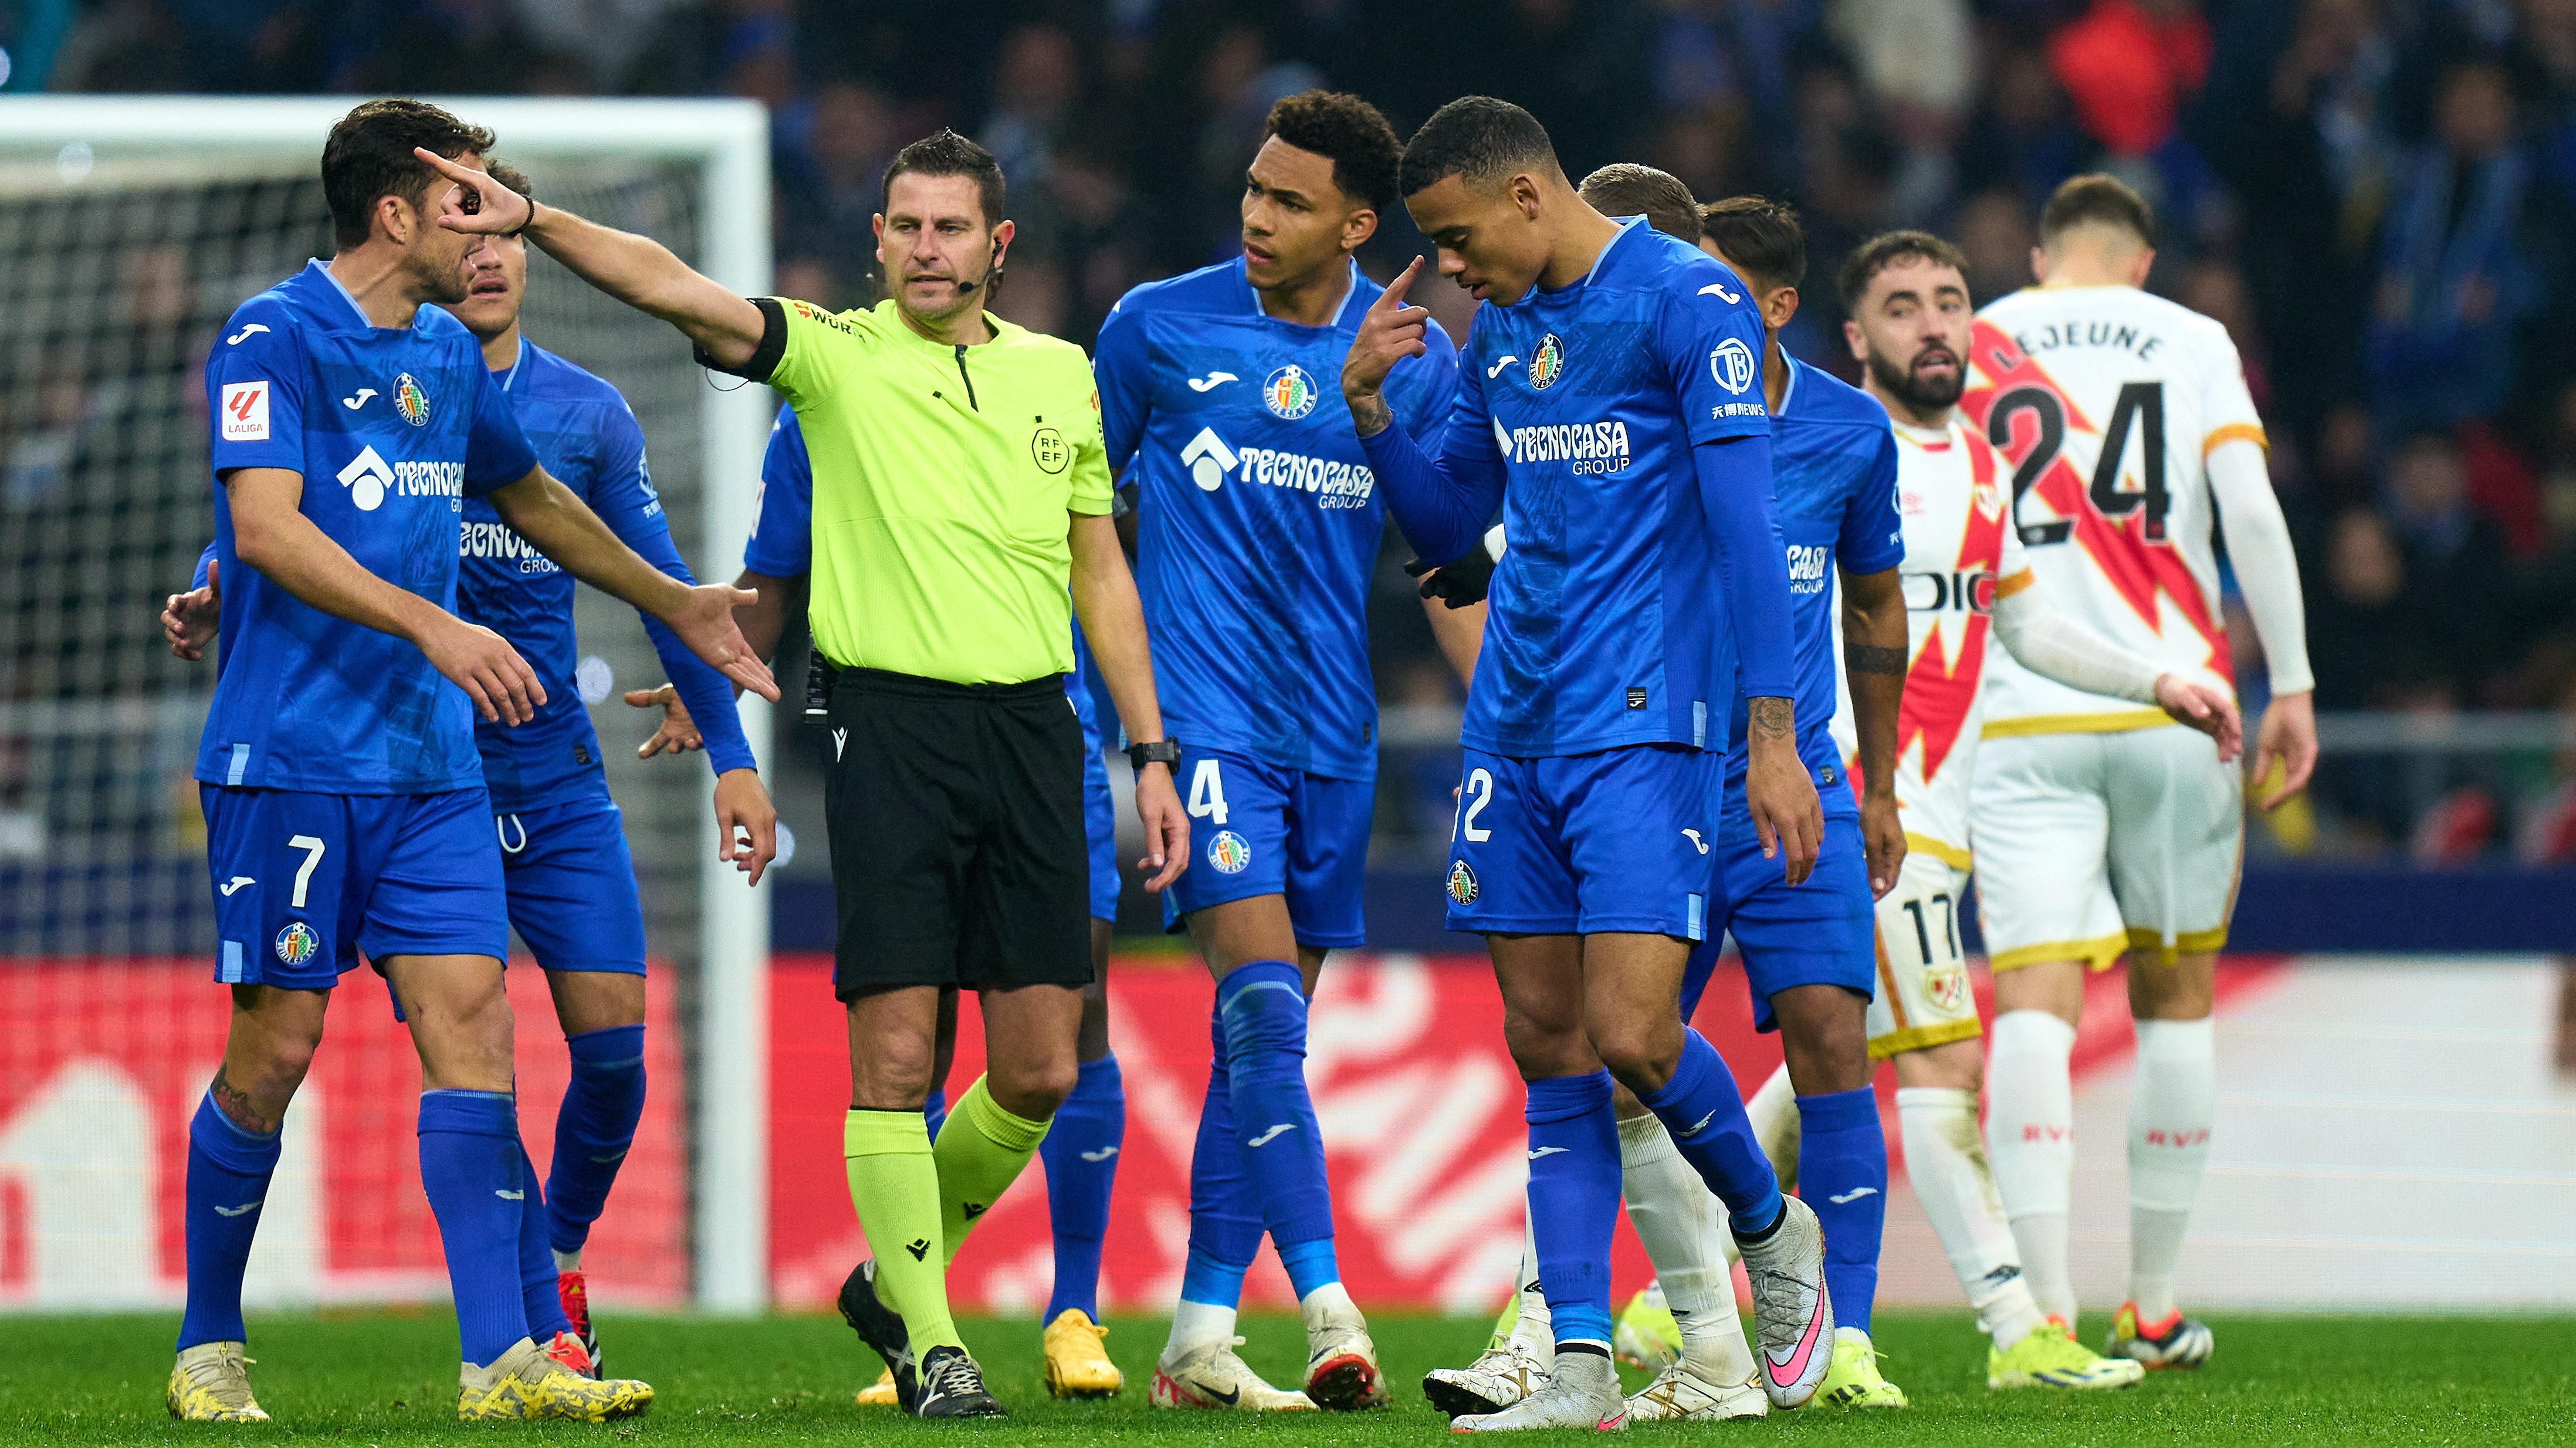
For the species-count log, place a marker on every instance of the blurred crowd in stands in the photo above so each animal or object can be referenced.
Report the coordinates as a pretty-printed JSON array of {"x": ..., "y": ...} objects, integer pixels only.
[{"x": 2374, "y": 196}]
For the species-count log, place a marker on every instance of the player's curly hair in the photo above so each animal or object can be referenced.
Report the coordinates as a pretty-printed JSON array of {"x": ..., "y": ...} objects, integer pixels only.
[
  {"x": 948, "y": 154},
  {"x": 1758, "y": 236},
  {"x": 1887, "y": 249},
  {"x": 1350, "y": 133},
  {"x": 368, "y": 157},
  {"x": 1478, "y": 139},
  {"x": 1624, "y": 188},
  {"x": 2100, "y": 198}
]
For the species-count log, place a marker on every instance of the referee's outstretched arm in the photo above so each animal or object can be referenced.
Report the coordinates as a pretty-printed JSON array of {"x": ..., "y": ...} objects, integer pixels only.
[
  {"x": 1104, "y": 598},
  {"x": 637, "y": 270}
]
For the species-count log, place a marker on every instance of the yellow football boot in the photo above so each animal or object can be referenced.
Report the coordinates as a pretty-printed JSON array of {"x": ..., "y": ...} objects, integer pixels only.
[
  {"x": 1853, "y": 1380},
  {"x": 208, "y": 1384},
  {"x": 880, "y": 1394},
  {"x": 1647, "y": 1336},
  {"x": 1076, "y": 1364},
  {"x": 2050, "y": 1357},
  {"x": 525, "y": 1385}
]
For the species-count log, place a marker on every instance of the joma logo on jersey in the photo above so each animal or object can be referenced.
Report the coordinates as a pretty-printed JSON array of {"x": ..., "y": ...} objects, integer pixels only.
[
  {"x": 497, "y": 541},
  {"x": 410, "y": 400},
  {"x": 1593, "y": 447},
  {"x": 1970, "y": 591},
  {"x": 1807, "y": 567}
]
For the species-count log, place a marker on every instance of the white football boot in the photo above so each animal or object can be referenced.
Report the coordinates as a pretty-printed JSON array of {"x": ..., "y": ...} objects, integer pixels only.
[
  {"x": 1506, "y": 1372},
  {"x": 1678, "y": 1395},
  {"x": 1793, "y": 1316},
  {"x": 1582, "y": 1392},
  {"x": 1211, "y": 1376}
]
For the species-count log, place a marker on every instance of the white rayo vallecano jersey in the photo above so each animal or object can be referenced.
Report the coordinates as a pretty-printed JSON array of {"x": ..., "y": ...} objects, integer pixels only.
[
  {"x": 1950, "y": 499},
  {"x": 2104, "y": 402}
]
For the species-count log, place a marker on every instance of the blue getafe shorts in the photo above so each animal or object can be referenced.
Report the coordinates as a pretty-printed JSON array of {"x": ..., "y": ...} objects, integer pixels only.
[
  {"x": 1822, "y": 932},
  {"x": 1100, "y": 835},
  {"x": 1579, "y": 845},
  {"x": 1259, "y": 829},
  {"x": 572, "y": 885},
  {"x": 305, "y": 884}
]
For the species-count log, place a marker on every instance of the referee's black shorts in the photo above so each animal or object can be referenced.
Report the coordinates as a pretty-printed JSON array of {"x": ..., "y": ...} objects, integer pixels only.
[{"x": 958, "y": 855}]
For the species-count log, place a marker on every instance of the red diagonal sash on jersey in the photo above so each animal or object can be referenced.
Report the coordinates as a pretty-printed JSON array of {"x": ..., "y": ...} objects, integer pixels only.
[
  {"x": 2136, "y": 569},
  {"x": 1939, "y": 690}
]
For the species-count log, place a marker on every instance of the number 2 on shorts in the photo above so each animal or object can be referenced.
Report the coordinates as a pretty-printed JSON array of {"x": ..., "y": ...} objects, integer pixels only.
[{"x": 1480, "y": 791}]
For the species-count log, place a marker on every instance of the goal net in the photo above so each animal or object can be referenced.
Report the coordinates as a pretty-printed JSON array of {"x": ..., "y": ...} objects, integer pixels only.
[{"x": 129, "y": 230}]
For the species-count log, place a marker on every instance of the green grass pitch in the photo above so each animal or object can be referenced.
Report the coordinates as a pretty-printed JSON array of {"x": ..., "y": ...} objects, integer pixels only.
[{"x": 388, "y": 1379}]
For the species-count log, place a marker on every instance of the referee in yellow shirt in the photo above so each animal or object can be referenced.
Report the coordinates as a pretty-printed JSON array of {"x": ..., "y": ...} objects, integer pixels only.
[{"x": 960, "y": 489}]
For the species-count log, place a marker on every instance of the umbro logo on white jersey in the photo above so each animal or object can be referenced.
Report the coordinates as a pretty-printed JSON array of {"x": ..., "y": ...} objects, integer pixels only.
[
  {"x": 235, "y": 883},
  {"x": 354, "y": 403},
  {"x": 1273, "y": 1134},
  {"x": 1855, "y": 1194},
  {"x": 1693, "y": 837},
  {"x": 1714, "y": 289},
  {"x": 235, "y": 340},
  {"x": 1497, "y": 369},
  {"x": 1546, "y": 1151},
  {"x": 1212, "y": 380}
]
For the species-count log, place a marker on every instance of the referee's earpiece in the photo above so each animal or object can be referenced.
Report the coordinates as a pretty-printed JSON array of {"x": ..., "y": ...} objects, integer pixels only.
[{"x": 992, "y": 263}]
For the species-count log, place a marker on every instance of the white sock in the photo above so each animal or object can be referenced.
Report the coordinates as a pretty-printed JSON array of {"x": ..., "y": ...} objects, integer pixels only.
[
  {"x": 1532, "y": 1330},
  {"x": 2172, "y": 1102},
  {"x": 2031, "y": 1141},
  {"x": 1774, "y": 1114},
  {"x": 1946, "y": 1158},
  {"x": 1197, "y": 1324},
  {"x": 1328, "y": 1307},
  {"x": 1675, "y": 1216},
  {"x": 568, "y": 1261}
]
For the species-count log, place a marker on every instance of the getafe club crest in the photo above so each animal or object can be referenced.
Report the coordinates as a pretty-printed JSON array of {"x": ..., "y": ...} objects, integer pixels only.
[
  {"x": 1548, "y": 363},
  {"x": 1229, "y": 852},
  {"x": 1289, "y": 393},
  {"x": 297, "y": 942},
  {"x": 410, "y": 400},
  {"x": 1462, "y": 883}
]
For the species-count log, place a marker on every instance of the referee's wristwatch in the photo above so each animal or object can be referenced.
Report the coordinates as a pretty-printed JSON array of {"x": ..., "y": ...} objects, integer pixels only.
[{"x": 1160, "y": 751}]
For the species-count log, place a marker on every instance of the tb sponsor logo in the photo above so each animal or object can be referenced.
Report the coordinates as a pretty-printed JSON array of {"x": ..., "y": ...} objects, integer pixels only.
[{"x": 1733, "y": 366}]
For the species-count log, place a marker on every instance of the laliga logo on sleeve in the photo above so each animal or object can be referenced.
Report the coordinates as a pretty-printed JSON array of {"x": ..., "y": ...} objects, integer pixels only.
[{"x": 1732, "y": 365}]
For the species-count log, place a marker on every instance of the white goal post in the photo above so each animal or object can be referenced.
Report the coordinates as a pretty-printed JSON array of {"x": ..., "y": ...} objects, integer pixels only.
[{"x": 727, "y": 142}]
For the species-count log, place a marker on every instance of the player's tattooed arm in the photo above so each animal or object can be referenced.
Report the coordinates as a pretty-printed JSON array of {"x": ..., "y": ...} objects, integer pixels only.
[
  {"x": 1389, "y": 333},
  {"x": 1874, "y": 637},
  {"x": 1873, "y": 659},
  {"x": 236, "y": 1106},
  {"x": 1771, "y": 718}
]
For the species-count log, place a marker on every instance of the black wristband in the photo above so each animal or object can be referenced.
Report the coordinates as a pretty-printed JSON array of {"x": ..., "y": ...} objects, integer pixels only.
[
  {"x": 1160, "y": 751},
  {"x": 530, "y": 221}
]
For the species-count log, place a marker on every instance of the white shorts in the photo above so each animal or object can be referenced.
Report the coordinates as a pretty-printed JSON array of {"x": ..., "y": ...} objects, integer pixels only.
[
  {"x": 1924, "y": 998},
  {"x": 2089, "y": 845}
]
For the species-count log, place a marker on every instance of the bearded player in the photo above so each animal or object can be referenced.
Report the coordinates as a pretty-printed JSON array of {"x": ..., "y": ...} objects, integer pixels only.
[{"x": 2099, "y": 828}]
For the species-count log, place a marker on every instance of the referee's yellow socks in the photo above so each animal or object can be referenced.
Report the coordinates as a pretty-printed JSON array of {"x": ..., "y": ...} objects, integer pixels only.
[
  {"x": 981, "y": 1151},
  {"x": 894, "y": 1183}
]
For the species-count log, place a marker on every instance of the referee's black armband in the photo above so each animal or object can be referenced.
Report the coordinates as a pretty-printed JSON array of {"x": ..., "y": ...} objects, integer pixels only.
[{"x": 764, "y": 357}]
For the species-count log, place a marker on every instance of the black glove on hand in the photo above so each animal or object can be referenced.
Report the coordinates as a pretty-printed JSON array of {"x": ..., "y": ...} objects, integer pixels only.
[{"x": 1457, "y": 584}]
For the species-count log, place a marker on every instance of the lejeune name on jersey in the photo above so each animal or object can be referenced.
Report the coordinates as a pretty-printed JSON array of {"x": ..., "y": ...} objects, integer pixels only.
[
  {"x": 497, "y": 541},
  {"x": 1334, "y": 484},
  {"x": 2098, "y": 332},
  {"x": 1593, "y": 447}
]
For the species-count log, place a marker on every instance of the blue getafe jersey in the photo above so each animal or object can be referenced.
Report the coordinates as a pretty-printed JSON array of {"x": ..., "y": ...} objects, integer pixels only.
[
  {"x": 1833, "y": 471},
  {"x": 1606, "y": 624},
  {"x": 1259, "y": 517},
  {"x": 782, "y": 546},
  {"x": 589, "y": 441},
  {"x": 393, "y": 430}
]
